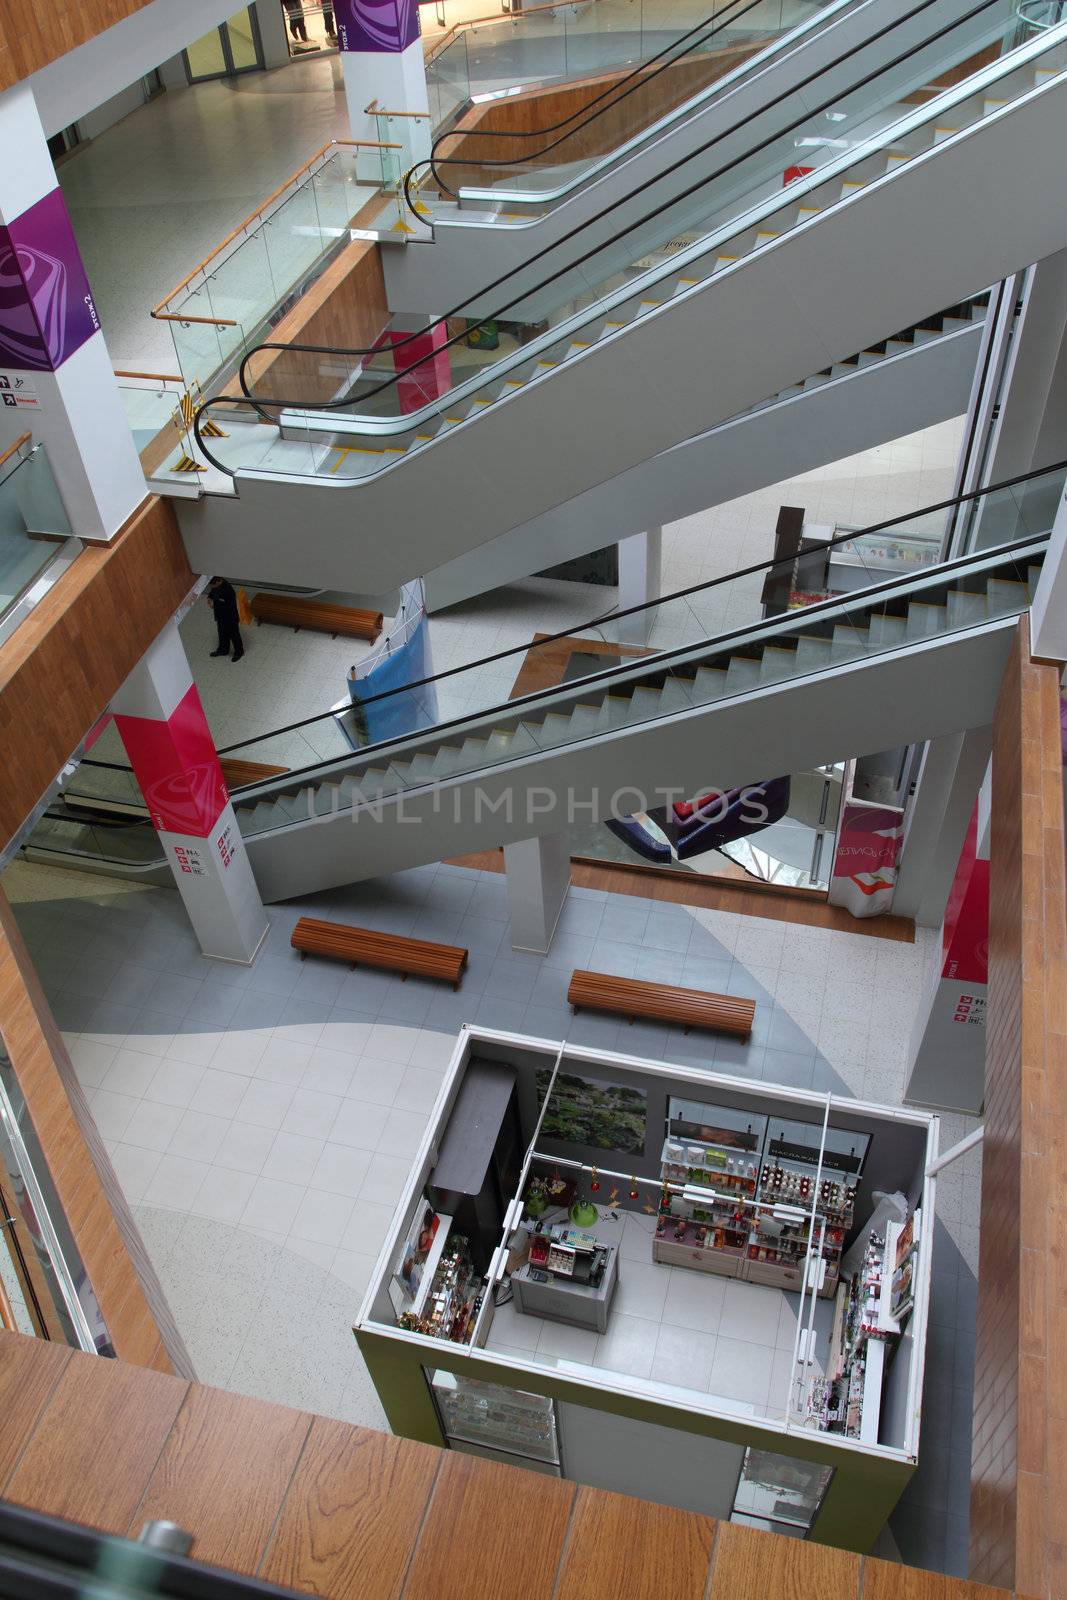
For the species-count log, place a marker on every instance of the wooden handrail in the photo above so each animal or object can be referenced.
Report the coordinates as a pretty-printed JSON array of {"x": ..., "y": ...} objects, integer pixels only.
[
  {"x": 210, "y": 322},
  {"x": 368, "y": 144},
  {"x": 496, "y": 16},
  {"x": 161, "y": 377},
  {"x": 23, "y": 438},
  {"x": 7, "y": 1311},
  {"x": 375, "y": 110}
]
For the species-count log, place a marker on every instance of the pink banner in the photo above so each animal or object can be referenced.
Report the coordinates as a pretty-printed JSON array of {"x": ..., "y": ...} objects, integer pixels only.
[
  {"x": 865, "y": 865},
  {"x": 177, "y": 768},
  {"x": 966, "y": 929},
  {"x": 432, "y": 377}
]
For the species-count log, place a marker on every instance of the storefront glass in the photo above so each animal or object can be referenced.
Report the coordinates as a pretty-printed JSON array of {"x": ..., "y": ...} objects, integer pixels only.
[
  {"x": 491, "y": 1419},
  {"x": 230, "y": 48},
  {"x": 780, "y": 1493}
]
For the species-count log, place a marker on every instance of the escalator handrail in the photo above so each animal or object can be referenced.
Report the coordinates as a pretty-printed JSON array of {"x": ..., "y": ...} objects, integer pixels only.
[
  {"x": 715, "y": 23},
  {"x": 820, "y": 176},
  {"x": 616, "y": 614}
]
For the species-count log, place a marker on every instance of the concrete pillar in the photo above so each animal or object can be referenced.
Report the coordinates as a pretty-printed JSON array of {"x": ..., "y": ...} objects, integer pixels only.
[
  {"x": 381, "y": 54},
  {"x": 53, "y": 360},
  {"x": 946, "y": 1062},
  {"x": 950, "y": 777},
  {"x": 162, "y": 725},
  {"x": 273, "y": 33},
  {"x": 538, "y": 876},
  {"x": 639, "y": 582}
]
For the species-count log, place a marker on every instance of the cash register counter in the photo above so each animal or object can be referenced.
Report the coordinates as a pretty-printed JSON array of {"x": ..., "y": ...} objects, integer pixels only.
[{"x": 570, "y": 1277}]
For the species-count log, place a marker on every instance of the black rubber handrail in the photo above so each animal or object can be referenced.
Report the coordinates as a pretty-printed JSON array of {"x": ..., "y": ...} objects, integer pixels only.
[
  {"x": 714, "y": 24},
  {"x": 576, "y": 629},
  {"x": 262, "y": 406}
]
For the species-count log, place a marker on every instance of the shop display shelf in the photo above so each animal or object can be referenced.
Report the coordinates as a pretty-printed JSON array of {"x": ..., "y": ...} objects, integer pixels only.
[{"x": 726, "y": 1263}]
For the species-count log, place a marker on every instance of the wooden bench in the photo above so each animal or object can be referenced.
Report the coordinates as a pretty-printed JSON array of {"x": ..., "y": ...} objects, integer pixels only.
[
  {"x": 291, "y": 612},
  {"x": 363, "y": 947},
  {"x": 633, "y": 998}
]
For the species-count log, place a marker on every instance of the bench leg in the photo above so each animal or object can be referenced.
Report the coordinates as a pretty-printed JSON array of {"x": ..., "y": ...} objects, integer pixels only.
[
  {"x": 303, "y": 953},
  {"x": 403, "y": 977},
  {"x": 685, "y": 1030},
  {"x": 630, "y": 1021},
  {"x": 455, "y": 986},
  {"x": 574, "y": 1011}
]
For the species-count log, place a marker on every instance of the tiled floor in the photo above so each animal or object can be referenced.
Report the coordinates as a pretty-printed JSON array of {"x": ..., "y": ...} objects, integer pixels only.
[
  {"x": 676, "y": 1327},
  {"x": 261, "y": 1119}
]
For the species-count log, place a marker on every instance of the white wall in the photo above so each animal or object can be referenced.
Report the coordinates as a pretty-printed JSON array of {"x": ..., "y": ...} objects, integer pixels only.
[{"x": 67, "y": 90}]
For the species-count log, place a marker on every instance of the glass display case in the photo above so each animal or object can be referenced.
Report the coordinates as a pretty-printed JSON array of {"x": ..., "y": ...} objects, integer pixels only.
[
  {"x": 496, "y": 1419},
  {"x": 779, "y": 1493}
]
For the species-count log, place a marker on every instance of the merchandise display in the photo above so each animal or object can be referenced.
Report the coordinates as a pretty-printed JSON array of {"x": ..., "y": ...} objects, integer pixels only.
[{"x": 554, "y": 1194}]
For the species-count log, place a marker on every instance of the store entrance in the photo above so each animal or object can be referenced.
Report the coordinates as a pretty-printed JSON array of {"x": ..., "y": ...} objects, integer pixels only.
[{"x": 223, "y": 52}]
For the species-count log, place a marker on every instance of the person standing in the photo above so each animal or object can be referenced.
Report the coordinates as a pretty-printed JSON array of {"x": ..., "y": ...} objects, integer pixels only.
[
  {"x": 222, "y": 598},
  {"x": 297, "y": 25}
]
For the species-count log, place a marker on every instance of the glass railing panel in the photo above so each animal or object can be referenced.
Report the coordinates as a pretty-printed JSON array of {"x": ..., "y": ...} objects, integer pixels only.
[
  {"x": 640, "y": 260},
  {"x": 715, "y": 50},
  {"x": 56, "y": 1291},
  {"x": 154, "y": 412},
  {"x": 32, "y": 518},
  {"x": 204, "y": 343}
]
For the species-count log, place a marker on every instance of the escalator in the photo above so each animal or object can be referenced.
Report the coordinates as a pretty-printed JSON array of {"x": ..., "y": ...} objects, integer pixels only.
[
  {"x": 920, "y": 377},
  {"x": 651, "y": 337},
  {"x": 900, "y": 648},
  {"x": 487, "y": 199}
]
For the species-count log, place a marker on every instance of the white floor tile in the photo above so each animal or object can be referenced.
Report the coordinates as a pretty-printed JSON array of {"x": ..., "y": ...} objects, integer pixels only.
[
  {"x": 418, "y": 1089},
  {"x": 341, "y": 1170},
  {"x": 174, "y": 1084},
  {"x": 386, "y": 1177},
  {"x": 311, "y": 1113},
  {"x": 245, "y": 1147},
  {"x": 265, "y": 1104},
  {"x": 92, "y": 1061},
  {"x": 741, "y": 1371},
  {"x": 683, "y": 1356},
  {"x": 642, "y": 1289},
  {"x": 751, "y": 1312},
  {"x": 560, "y": 1341},
  {"x": 376, "y": 1081},
  {"x": 392, "y": 1042},
  {"x": 402, "y": 1133},
  {"x": 224, "y": 1195},
  {"x": 293, "y": 1157},
  {"x": 329, "y": 1072},
  {"x": 323, "y": 1217},
  {"x": 359, "y": 1125},
  {"x": 628, "y": 1346},
  {"x": 368, "y": 1225},
  {"x": 219, "y": 1093},
  {"x": 198, "y": 1136},
  {"x": 135, "y": 1168},
  {"x": 694, "y": 1300},
  {"x": 283, "y": 1061},
  {"x": 176, "y": 1183},
  {"x": 112, "y": 1112},
  {"x": 130, "y": 1073},
  {"x": 273, "y": 1204}
]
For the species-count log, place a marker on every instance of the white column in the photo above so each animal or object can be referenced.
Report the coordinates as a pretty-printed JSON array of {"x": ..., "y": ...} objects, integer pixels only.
[
  {"x": 273, "y": 33},
  {"x": 381, "y": 55},
  {"x": 1048, "y": 616},
  {"x": 950, "y": 777},
  {"x": 162, "y": 725},
  {"x": 53, "y": 360},
  {"x": 538, "y": 877},
  {"x": 639, "y": 582}
]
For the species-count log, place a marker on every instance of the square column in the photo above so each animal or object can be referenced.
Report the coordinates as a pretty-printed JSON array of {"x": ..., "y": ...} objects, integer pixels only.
[
  {"x": 56, "y": 377},
  {"x": 381, "y": 56},
  {"x": 639, "y": 582},
  {"x": 538, "y": 877},
  {"x": 162, "y": 725}
]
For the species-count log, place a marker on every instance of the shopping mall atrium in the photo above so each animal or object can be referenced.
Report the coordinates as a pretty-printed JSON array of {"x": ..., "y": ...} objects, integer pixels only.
[{"x": 551, "y": 1079}]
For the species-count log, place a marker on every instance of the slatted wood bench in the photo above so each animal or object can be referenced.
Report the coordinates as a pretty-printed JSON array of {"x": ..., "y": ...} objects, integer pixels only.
[
  {"x": 292, "y": 612},
  {"x": 633, "y": 998},
  {"x": 364, "y": 947}
]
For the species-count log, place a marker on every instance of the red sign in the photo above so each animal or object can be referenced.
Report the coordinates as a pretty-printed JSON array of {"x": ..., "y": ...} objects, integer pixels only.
[{"x": 177, "y": 768}]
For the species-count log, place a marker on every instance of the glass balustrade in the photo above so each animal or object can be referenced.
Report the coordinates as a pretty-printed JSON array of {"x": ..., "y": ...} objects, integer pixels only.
[
  {"x": 416, "y": 386},
  {"x": 34, "y": 525},
  {"x": 858, "y": 595}
]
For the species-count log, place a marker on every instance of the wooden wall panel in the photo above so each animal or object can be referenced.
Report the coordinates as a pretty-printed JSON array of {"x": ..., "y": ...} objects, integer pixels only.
[
  {"x": 364, "y": 1514},
  {"x": 60, "y": 668},
  {"x": 129, "y": 1293},
  {"x": 32, "y": 35},
  {"x": 345, "y": 309},
  {"x": 1019, "y": 1466},
  {"x": 660, "y": 91}
]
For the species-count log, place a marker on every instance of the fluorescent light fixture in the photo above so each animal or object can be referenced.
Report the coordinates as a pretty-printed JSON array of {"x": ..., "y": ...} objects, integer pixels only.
[{"x": 789, "y": 1214}]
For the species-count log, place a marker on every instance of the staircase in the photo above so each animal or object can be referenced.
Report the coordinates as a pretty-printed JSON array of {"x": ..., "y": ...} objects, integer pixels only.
[{"x": 819, "y": 269}]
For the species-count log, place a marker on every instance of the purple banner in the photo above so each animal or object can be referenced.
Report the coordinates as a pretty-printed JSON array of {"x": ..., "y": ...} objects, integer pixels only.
[
  {"x": 46, "y": 309},
  {"x": 377, "y": 25}
]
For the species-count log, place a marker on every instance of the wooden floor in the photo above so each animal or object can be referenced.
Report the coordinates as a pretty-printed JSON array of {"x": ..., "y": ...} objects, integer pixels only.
[
  {"x": 351, "y": 1514},
  {"x": 746, "y": 900}
]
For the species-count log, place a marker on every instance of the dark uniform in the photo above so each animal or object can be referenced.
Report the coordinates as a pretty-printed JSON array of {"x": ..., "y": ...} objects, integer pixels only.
[{"x": 223, "y": 599}]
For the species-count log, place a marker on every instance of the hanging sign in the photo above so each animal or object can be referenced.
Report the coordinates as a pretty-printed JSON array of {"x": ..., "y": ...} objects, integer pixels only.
[{"x": 17, "y": 392}]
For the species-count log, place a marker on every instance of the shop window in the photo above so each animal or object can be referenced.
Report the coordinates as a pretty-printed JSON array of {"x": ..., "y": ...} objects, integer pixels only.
[
  {"x": 780, "y": 1493},
  {"x": 491, "y": 1419}
]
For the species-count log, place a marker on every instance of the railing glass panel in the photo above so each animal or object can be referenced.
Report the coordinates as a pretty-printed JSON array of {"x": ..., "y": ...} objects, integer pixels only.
[{"x": 32, "y": 520}]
